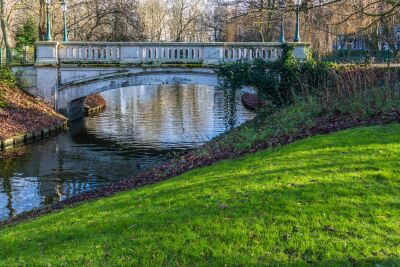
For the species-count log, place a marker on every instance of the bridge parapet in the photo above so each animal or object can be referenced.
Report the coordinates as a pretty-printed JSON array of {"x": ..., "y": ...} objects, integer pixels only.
[{"x": 138, "y": 53}]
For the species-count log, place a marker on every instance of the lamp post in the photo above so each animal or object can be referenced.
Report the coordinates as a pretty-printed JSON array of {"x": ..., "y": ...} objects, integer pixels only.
[
  {"x": 297, "y": 32},
  {"x": 64, "y": 11},
  {"x": 282, "y": 6},
  {"x": 48, "y": 30}
]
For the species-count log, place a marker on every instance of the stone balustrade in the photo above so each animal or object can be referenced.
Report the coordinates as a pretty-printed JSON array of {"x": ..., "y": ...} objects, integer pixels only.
[{"x": 50, "y": 53}]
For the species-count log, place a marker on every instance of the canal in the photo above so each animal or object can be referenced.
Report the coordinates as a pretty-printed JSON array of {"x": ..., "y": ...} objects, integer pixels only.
[{"x": 141, "y": 126}]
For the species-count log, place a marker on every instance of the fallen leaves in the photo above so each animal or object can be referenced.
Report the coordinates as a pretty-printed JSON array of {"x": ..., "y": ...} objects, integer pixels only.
[
  {"x": 94, "y": 101},
  {"x": 23, "y": 113}
]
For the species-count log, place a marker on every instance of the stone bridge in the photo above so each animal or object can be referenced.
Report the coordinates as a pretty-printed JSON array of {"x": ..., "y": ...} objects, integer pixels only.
[{"x": 65, "y": 73}]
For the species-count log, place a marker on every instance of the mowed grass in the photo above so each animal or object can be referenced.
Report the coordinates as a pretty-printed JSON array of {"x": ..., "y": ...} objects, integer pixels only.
[{"x": 328, "y": 200}]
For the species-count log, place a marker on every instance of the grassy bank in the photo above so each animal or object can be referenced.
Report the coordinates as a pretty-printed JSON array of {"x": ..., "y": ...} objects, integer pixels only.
[
  {"x": 21, "y": 113},
  {"x": 302, "y": 94},
  {"x": 327, "y": 200}
]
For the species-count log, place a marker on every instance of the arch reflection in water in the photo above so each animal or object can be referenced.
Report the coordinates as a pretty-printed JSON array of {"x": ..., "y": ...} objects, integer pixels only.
[{"x": 142, "y": 126}]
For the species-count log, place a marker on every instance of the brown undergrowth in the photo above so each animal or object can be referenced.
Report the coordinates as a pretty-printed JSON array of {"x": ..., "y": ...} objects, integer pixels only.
[
  {"x": 21, "y": 113},
  {"x": 94, "y": 101}
]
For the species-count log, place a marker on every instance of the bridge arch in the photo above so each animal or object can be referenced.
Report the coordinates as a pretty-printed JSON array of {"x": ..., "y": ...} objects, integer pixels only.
[{"x": 70, "y": 95}]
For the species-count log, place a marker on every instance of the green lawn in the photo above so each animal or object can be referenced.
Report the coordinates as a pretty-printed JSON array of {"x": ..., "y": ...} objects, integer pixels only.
[{"x": 329, "y": 200}]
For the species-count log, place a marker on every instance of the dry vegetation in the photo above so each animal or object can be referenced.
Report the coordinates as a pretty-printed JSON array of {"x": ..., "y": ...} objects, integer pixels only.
[
  {"x": 94, "y": 101},
  {"x": 22, "y": 113}
]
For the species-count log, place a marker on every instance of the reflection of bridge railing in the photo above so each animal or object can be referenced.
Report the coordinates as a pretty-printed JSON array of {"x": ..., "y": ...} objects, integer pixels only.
[{"x": 136, "y": 53}]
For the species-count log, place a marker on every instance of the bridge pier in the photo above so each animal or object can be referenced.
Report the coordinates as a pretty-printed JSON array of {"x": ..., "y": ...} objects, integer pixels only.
[{"x": 47, "y": 68}]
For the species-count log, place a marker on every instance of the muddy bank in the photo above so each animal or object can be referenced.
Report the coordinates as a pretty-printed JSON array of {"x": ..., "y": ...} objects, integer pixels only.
[
  {"x": 21, "y": 113},
  {"x": 94, "y": 104},
  {"x": 252, "y": 102},
  {"x": 192, "y": 160}
]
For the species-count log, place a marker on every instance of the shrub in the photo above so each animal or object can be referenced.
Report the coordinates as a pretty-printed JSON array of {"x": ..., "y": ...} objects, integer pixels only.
[
  {"x": 26, "y": 34},
  {"x": 7, "y": 77},
  {"x": 283, "y": 81}
]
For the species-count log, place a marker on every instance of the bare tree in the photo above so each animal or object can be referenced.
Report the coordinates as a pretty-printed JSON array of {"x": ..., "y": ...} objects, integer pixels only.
[
  {"x": 154, "y": 14},
  {"x": 183, "y": 13}
]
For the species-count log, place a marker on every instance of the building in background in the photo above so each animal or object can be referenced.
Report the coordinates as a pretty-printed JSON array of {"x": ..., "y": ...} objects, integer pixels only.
[{"x": 362, "y": 41}]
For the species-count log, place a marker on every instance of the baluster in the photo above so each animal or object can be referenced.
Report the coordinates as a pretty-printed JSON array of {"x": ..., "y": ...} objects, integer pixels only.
[
  {"x": 112, "y": 53},
  {"x": 195, "y": 54},
  {"x": 107, "y": 53},
  {"x": 95, "y": 52},
  {"x": 101, "y": 53},
  {"x": 159, "y": 55},
  {"x": 90, "y": 53}
]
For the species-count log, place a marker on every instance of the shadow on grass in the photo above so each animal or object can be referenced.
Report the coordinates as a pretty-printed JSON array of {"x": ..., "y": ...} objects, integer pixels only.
[{"x": 297, "y": 205}]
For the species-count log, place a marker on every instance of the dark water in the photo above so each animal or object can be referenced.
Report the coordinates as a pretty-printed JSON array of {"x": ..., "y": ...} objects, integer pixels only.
[{"x": 142, "y": 126}]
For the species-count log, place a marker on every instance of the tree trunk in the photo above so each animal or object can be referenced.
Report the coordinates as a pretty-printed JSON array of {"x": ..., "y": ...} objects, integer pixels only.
[
  {"x": 42, "y": 20},
  {"x": 4, "y": 28}
]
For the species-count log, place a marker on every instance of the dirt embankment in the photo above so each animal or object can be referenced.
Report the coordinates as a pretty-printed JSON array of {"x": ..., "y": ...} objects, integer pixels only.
[
  {"x": 21, "y": 113},
  {"x": 94, "y": 103}
]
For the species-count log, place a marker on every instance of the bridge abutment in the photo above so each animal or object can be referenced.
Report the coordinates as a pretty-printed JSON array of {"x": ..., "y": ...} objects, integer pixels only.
[{"x": 47, "y": 84}]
